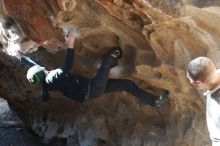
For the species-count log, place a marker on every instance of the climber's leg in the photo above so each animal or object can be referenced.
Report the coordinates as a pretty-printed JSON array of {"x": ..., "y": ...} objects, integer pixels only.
[
  {"x": 98, "y": 84},
  {"x": 129, "y": 86},
  {"x": 114, "y": 85}
]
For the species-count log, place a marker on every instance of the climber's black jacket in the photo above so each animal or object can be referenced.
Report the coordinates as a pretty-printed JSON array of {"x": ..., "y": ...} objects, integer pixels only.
[{"x": 61, "y": 79}]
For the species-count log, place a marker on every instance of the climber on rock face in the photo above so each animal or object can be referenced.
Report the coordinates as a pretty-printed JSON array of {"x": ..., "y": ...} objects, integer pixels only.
[
  {"x": 80, "y": 88},
  {"x": 202, "y": 73}
]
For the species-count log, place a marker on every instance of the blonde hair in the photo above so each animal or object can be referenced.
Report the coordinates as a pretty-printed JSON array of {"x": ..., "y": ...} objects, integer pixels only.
[{"x": 201, "y": 68}]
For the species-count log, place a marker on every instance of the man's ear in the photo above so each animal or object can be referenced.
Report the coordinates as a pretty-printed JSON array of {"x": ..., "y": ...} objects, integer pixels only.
[
  {"x": 198, "y": 82},
  {"x": 190, "y": 79}
]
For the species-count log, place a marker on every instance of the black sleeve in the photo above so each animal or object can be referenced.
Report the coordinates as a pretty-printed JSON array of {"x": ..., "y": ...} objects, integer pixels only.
[
  {"x": 27, "y": 61},
  {"x": 67, "y": 66},
  {"x": 44, "y": 93}
]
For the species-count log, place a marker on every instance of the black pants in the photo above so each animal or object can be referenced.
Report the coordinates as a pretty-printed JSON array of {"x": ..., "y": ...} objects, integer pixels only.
[{"x": 100, "y": 84}]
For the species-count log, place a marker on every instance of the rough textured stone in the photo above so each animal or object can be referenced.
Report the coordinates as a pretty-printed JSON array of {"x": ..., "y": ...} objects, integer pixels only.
[{"x": 158, "y": 38}]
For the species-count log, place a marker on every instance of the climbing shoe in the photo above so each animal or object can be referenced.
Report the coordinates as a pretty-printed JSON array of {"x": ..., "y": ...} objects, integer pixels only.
[
  {"x": 116, "y": 53},
  {"x": 162, "y": 99}
]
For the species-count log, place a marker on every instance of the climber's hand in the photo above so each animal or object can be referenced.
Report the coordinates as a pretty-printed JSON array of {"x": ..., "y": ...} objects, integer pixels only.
[
  {"x": 70, "y": 39},
  {"x": 17, "y": 54}
]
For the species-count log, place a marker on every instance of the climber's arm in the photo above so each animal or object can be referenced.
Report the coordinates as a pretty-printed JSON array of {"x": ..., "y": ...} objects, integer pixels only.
[
  {"x": 70, "y": 39},
  {"x": 27, "y": 61},
  {"x": 24, "y": 59},
  {"x": 68, "y": 63}
]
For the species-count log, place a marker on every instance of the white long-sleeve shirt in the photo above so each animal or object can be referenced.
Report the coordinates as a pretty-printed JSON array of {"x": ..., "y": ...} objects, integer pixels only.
[{"x": 213, "y": 112}]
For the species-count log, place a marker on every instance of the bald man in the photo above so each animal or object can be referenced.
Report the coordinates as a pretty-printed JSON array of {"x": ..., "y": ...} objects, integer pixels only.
[{"x": 202, "y": 72}]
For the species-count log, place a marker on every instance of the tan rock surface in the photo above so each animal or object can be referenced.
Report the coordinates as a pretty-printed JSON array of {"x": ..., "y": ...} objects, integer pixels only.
[{"x": 158, "y": 39}]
